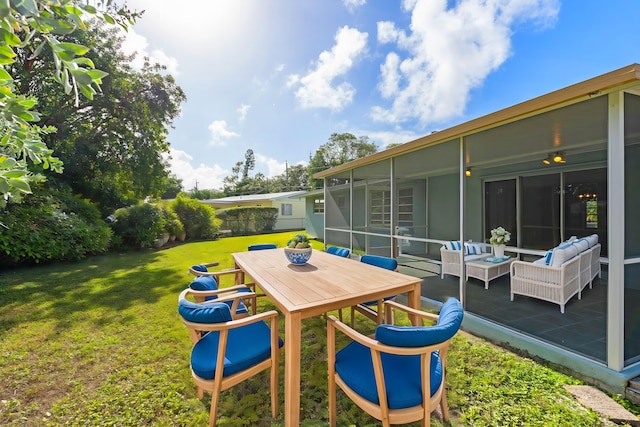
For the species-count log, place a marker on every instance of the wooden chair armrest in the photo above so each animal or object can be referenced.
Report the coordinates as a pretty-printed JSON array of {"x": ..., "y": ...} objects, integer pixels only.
[
  {"x": 409, "y": 310},
  {"x": 214, "y": 273},
  {"x": 268, "y": 316}
]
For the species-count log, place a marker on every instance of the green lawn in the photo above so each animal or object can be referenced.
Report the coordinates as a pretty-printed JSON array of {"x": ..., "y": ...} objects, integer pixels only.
[{"x": 100, "y": 342}]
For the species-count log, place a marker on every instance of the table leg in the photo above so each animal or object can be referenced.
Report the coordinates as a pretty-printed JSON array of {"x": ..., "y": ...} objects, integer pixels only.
[
  {"x": 413, "y": 298},
  {"x": 292, "y": 337}
]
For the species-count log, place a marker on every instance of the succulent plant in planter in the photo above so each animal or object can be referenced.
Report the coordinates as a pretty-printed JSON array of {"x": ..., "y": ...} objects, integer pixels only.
[{"x": 299, "y": 241}]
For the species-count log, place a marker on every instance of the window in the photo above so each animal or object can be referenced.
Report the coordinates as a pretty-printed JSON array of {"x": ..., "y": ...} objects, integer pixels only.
[
  {"x": 500, "y": 208},
  {"x": 287, "y": 209},
  {"x": 405, "y": 207},
  {"x": 381, "y": 207},
  {"x": 318, "y": 206}
]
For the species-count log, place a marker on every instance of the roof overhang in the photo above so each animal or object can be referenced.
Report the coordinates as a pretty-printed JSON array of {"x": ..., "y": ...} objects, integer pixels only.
[{"x": 620, "y": 79}]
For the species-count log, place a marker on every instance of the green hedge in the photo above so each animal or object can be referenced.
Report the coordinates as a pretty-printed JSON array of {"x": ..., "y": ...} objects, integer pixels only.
[
  {"x": 247, "y": 220},
  {"x": 51, "y": 225},
  {"x": 199, "y": 220}
]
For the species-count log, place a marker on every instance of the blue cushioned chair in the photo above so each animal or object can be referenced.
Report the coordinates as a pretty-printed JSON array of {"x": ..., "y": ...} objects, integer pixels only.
[
  {"x": 334, "y": 250},
  {"x": 199, "y": 270},
  {"x": 204, "y": 270},
  {"x": 398, "y": 376},
  {"x": 228, "y": 351},
  {"x": 205, "y": 288},
  {"x": 366, "y": 308},
  {"x": 262, "y": 246}
]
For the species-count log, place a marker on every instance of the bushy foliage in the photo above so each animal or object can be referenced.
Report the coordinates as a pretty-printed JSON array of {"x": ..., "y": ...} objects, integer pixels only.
[
  {"x": 199, "y": 220},
  {"x": 51, "y": 225},
  {"x": 138, "y": 226},
  {"x": 172, "y": 223},
  {"x": 248, "y": 219}
]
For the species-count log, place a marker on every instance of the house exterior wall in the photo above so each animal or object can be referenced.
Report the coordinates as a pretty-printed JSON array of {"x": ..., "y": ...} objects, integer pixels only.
[
  {"x": 509, "y": 146},
  {"x": 313, "y": 221},
  {"x": 295, "y": 221}
]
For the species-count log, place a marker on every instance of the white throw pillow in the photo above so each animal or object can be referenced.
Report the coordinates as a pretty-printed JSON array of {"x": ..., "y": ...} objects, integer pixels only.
[{"x": 563, "y": 253}]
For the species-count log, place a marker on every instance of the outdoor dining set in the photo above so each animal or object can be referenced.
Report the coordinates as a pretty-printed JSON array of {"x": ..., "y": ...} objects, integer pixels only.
[{"x": 397, "y": 375}]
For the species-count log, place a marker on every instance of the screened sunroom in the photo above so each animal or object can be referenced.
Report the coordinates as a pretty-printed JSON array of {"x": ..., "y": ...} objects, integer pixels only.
[{"x": 561, "y": 165}]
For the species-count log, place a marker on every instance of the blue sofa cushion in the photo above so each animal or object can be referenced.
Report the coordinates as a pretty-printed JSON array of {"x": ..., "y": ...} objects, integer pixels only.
[
  {"x": 449, "y": 322},
  {"x": 246, "y": 346},
  {"x": 401, "y": 374}
]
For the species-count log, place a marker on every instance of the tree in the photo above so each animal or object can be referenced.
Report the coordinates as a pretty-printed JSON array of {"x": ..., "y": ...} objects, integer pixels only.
[
  {"x": 249, "y": 163},
  {"x": 295, "y": 178},
  {"x": 33, "y": 27},
  {"x": 240, "y": 182},
  {"x": 112, "y": 147},
  {"x": 340, "y": 148},
  {"x": 173, "y": 187}
]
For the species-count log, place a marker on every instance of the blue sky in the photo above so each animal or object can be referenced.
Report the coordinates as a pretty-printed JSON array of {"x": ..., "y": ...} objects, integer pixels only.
[{"x": 280, "y": 76}]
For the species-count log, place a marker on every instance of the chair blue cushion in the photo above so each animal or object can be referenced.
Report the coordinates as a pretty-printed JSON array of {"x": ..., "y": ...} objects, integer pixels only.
[
  {"x": 261, "y": 246},
  {"x": 199, "y": 267},
  {"x": 204, "y": 313},
  {"x": 246, "y": 346},
  {"x": 204, "y": 283},
  {"x": 380, "y": 261},
  {"x": 448, "y": 324},
  {"x": 208, "y": 283},
  {"x": 343, "y": 252},
  {"x": 401, "y": 374},
  {"x": 333, "y": 250}
]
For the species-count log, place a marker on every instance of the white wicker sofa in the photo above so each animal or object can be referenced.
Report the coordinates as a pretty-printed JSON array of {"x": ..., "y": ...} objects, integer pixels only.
[
  {"x": 562, "y": 273},
  {"x": 450, "y": 255}
]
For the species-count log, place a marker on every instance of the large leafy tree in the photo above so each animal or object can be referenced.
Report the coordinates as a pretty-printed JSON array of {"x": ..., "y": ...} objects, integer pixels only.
[
  {"x": 32, "y": 28},
  {"x": 341, "y": 148},
  {"x": 112, "y": 147}
]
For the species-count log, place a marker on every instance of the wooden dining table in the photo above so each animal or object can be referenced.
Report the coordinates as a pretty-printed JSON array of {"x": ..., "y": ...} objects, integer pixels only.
[{"x": 325, "y": 283}]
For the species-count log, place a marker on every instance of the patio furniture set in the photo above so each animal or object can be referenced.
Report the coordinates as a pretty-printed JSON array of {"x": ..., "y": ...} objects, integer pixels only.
[
  {"x": 233, "y": 343},
  {"x": 563, "y": 272}
]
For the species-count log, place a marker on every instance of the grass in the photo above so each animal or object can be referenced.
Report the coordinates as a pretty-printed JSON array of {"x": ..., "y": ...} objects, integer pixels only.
[{"x": 100, "y": 342}]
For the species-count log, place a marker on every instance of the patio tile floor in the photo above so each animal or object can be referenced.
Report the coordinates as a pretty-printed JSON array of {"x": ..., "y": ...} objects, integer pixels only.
[{"x": 581, "y": 329}]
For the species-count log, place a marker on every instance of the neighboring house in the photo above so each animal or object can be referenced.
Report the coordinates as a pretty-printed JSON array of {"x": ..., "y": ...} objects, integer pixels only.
[
  {"x": 564, "y": 164},
  {"x": 291, "y": 206},
  {"x": 314, "y": 213}
]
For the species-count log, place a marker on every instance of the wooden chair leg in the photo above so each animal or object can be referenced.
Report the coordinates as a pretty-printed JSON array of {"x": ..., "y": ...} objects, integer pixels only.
[{"x": 213, "y": 412}]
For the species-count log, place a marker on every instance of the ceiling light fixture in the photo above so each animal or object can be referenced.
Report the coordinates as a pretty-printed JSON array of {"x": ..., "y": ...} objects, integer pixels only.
[
  {"x": 547, "y": 160},
  {"x": 557, "y": 158},
  {"x": 467, "y": 172}
]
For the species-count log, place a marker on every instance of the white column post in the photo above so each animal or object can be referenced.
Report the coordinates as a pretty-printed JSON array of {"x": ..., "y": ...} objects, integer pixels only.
[{"x": 616, "y": 233}]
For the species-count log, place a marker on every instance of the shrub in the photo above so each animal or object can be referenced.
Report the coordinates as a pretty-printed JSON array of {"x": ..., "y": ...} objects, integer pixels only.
[
  {"x": 51, "y": 225},
  {"x": 140, "y": 225},
  {"x": 199, "y": 220},
  {"x": 248, "y": 219},
  {"x": 172, "y": 224}
]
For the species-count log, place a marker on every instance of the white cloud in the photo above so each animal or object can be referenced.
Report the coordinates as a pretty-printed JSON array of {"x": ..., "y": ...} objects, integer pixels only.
[
  {"x": 274, "y": 167},
  {"x": 135, "y": 43},
  {"x": 450, "y": 51},
  {"x": 219, "y": 132},
  {"x": 317, "y": 89},
  {"x": 384, "y": 138},
  {"x": 206, "y": 177},
  {"x": 242, "y": 111},
  {"x": 352, "y": 5}
]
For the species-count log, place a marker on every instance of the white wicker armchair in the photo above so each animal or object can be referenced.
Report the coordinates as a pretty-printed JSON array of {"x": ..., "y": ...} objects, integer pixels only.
[
  {"x": 553, "y": 284},
  {"x": 450, "y": 258}
]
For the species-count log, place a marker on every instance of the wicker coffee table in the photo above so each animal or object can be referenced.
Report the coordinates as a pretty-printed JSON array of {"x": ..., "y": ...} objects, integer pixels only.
[{"x": 486, "y": 270}]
